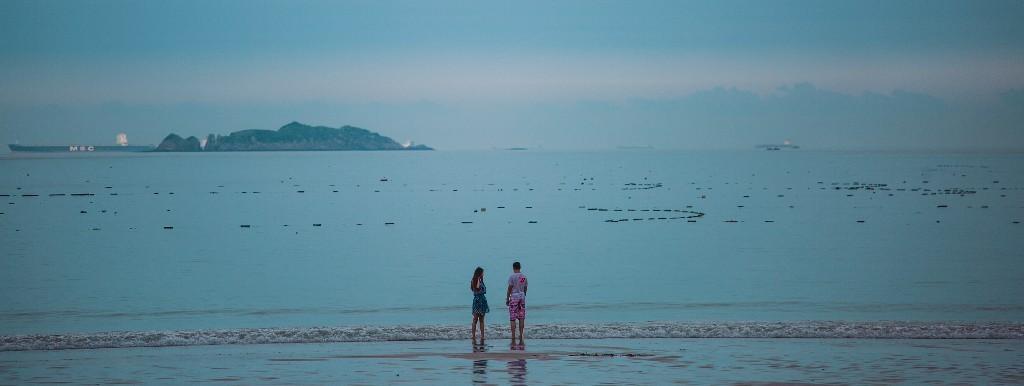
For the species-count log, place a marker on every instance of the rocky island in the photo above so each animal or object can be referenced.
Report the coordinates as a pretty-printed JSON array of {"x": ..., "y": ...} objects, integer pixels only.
[{"x": 293, "y": 136}]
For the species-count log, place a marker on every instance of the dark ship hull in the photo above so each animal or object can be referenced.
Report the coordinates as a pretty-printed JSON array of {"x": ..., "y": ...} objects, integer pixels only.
[{"x": 77, "y": 148}]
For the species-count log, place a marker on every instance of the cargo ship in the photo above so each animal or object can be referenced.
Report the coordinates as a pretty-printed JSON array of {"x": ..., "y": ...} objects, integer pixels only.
[{"x": 121, "y": 146}]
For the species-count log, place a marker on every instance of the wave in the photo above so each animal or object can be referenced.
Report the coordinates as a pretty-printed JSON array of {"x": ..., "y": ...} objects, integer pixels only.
[{"x": 806, "y": 329}]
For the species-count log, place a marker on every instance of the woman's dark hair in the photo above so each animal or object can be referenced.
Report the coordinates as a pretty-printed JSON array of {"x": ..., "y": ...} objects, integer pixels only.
[{"x": 477, "y": 273}]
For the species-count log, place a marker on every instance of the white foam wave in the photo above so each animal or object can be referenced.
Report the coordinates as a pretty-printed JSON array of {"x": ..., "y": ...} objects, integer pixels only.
[{"x": 810, "y": 329}]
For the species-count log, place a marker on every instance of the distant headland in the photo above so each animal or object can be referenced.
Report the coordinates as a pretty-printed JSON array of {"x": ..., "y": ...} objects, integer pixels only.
[{"x": 293, "y": 136}]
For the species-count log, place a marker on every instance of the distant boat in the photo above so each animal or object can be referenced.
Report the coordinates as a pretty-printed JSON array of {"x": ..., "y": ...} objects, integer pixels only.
[
  {"x": 516, "y": 148},
  {"x": 784, "y": 145},
  {"x": 121, "y": 146}
]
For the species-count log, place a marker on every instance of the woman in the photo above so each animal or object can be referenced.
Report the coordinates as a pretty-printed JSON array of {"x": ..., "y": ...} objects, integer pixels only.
[{"x": 479, "y": 302}]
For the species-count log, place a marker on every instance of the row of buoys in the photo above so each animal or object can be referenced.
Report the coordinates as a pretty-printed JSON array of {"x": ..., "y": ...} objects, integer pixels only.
[
  {"x": 690, "y": 214},
  {"x": 642, "y": 186}
]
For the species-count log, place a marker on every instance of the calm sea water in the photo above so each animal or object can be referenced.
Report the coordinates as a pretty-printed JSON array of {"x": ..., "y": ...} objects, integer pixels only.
[{"x": 240, "y": 240}]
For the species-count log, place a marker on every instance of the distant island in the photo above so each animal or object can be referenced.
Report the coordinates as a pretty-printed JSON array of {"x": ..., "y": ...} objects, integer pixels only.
[{"x": 293, "y": 136}]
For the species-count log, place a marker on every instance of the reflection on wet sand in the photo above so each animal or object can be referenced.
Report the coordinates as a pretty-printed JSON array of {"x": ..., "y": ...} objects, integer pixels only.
[
  {"x": 516, "y": 372},
  {"x": 480, "y": 371},
  {"x": 479, "y": 366}
]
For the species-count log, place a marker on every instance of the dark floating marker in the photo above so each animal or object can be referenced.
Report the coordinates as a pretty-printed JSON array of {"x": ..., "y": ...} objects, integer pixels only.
[
  {"x": 168, "y": 227},
  {"x": 942, "y": 206},
  {"x": 30, "y": 195},
  {"x": 531, "y": 222},
  {"x": 731, "y": 221},
  {"x": 82, "y": 211},
  {"x": 691, "y": 220},
  {"x": 467, "y": 222},
  {"x": 316, "y": 225},
  {"x": 389, "y": 223},
  {"x": 1016, "y": 222},
  {"x": 95, "y": 229},
  {"x": 502, "y": 207},
  {"x": 769, "y": 221},
  {"x": 245, "y": 226},
  {"x": 56, "y": 194},
  {"x": 300, "y": 191},
  {"x": 860, "y": 220},
  {"x": 82, "y": 194},
  {"x": 530, "y": 207}
]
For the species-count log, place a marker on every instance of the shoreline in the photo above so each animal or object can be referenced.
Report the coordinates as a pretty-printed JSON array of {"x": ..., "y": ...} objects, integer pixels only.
[
  {"x": 583, "y": 361},
  {"x": 597, "y": 331}
]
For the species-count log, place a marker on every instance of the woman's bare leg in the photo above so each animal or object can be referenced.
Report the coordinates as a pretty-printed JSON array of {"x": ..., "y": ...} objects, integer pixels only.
[
  {"x": 482, "y": 324},
  {"x": 472, "y": 326}
]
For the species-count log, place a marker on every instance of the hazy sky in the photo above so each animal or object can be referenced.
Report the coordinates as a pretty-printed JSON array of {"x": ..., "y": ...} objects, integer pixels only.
[{"x": 561, "y": 74}]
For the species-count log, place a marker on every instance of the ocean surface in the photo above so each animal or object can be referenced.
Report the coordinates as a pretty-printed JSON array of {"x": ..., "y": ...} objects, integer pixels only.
[{"x": 613, "y": 243}]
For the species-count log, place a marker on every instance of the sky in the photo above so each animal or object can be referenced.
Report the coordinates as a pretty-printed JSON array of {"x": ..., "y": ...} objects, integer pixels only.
[{"x": 541, "y": 74}]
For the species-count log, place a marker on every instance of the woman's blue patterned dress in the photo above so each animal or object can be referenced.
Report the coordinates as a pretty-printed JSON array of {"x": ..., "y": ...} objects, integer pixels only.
[{"x": 480, "y": 301}]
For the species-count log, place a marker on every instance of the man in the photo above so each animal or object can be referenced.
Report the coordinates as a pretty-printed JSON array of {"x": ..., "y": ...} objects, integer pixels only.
[{"x": 515, "y": 299}]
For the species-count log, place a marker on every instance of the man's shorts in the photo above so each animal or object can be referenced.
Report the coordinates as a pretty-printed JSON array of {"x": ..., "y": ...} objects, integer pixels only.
[{"x": 517, "y": 309}]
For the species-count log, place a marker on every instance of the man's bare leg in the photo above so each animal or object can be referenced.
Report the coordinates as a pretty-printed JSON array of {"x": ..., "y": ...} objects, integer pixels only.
[
  {"x": 513, "y": 322},
  {"x": 522, "y": 323}
]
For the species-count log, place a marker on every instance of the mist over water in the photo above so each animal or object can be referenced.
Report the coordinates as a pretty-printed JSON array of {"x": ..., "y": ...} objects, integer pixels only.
[{"x": 146, "y": 242}]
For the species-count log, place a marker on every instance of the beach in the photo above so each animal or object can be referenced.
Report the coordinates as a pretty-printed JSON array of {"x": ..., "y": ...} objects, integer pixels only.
[
  {"x": 543, "y": 361},
  {"x": 645, "y": 267}
]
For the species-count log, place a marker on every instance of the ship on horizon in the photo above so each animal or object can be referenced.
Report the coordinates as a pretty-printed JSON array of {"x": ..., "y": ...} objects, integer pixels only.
[
  {"x": 785, "y": 145},
  {"x": 121, "y": 146}
]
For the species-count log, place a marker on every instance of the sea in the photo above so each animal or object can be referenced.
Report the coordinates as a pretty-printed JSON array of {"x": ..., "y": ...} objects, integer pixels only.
[{"x": 177, "y": 249}]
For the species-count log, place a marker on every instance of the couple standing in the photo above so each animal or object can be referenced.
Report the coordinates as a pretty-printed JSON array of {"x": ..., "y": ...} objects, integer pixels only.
[{"x": 515, "y": 299}]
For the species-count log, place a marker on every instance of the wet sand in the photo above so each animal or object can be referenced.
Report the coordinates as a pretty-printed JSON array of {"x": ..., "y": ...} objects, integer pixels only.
[{"x": 581, "y": 361}]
